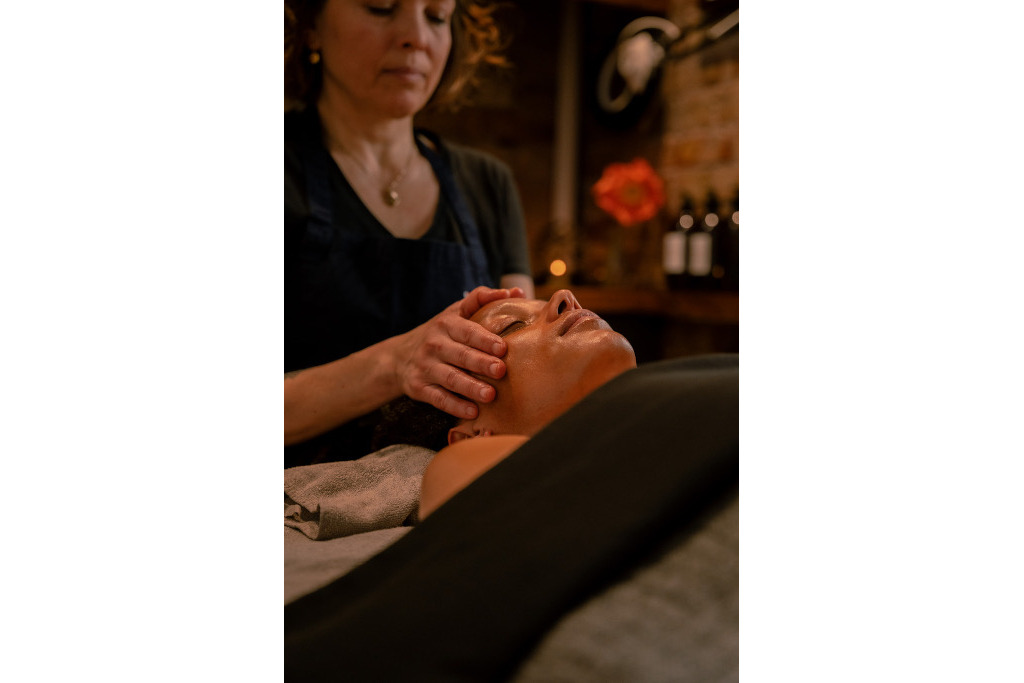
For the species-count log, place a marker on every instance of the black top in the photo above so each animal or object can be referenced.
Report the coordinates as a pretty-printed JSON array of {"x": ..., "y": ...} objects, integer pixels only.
[
  {"x": 486, "y": 182},
  {"x": 349, "y": 283}
]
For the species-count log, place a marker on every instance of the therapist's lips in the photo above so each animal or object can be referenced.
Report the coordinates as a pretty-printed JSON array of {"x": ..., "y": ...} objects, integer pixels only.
[
  {"x": 576, "y": 318},
  {"x": 405, "y": 72}
]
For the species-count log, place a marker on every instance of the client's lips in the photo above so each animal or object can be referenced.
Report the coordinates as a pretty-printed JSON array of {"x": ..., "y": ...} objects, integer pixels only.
[{"x": 573, "y": 318}]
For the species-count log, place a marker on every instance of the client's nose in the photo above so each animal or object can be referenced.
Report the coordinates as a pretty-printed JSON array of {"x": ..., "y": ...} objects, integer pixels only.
[{"x": 560, "y": 302}]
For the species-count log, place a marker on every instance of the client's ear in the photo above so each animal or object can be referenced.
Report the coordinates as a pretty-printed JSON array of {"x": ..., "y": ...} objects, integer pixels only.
[
  {"x": 460, "y": 432},
  {"x": 466, "y": 431}
]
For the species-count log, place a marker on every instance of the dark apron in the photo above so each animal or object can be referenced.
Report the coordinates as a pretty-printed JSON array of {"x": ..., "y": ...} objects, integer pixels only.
[{"x": 352, "y": 290}]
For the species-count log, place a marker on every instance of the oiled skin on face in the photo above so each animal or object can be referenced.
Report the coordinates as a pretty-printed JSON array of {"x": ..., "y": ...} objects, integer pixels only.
[{"x": 558, "y": 352}]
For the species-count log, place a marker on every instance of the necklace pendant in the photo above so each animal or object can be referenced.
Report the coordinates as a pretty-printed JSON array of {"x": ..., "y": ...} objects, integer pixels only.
[{"x": 391, "y": 197}]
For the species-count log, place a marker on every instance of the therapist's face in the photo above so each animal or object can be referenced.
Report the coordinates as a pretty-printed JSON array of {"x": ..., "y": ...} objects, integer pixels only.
[
  {"x": 558, "y": 352},
  {"x": 383, "y": 59}
]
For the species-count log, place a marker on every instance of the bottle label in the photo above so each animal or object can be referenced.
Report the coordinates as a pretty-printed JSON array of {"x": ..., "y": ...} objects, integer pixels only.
[
  {"x": 673, "y": 253},
  {"x": 700, "y": 254}
]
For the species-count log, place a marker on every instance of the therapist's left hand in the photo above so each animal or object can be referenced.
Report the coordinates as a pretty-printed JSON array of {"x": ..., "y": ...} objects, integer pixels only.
[{"x": 434, "y": 362}]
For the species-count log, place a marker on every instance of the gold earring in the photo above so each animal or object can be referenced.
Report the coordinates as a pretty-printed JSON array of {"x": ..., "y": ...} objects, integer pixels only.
[{"x": 314, "y": 57}]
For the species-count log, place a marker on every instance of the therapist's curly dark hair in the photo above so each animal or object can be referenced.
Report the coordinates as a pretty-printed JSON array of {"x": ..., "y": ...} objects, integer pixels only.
[
  {"x": 405, "y": 421},
  {"x": 476, "y": 45}
]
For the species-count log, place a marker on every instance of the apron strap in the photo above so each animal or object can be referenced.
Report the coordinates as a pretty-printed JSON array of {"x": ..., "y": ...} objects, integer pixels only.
[{"x": 477, "y": 266}]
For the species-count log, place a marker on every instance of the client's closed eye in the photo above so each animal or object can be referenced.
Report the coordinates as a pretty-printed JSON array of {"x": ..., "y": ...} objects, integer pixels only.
[{"x": 512, "y": 327}]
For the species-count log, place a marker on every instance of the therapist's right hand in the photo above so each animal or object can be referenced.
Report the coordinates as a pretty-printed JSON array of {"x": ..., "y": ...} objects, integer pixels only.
[{"x": 433, "y": 362}]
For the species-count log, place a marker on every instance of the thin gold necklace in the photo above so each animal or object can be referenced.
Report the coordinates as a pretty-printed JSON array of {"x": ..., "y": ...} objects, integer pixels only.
[{"x": 389, "y": 193}]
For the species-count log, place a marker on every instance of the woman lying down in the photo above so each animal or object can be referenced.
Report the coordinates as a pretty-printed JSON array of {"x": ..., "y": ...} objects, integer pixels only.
[
  {"x": 622, "y": 482},
  {"x": 558, "y": 352}
]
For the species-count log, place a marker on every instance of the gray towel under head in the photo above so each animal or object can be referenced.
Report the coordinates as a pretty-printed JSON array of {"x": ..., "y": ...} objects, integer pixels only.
[{"x": 378, "y": 491}]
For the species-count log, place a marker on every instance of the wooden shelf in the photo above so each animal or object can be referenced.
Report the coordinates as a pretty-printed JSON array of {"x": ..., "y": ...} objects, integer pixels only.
[{"x": 711, "y": 308}]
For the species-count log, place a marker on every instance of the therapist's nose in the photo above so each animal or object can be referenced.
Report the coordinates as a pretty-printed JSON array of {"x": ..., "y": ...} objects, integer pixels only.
[
  {"x": 560, "y": 302},
  {"x": 413, "y": 31}
]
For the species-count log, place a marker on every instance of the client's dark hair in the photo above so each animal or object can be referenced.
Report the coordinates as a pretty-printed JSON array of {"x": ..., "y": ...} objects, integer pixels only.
[{"x": 405, "y": 421}]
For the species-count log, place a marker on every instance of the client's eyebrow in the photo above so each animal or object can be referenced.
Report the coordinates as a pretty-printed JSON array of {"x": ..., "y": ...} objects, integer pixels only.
[{"x": 503, "y": 306}]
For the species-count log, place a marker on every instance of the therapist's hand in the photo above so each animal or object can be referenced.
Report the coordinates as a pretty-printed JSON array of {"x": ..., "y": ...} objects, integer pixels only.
[{"x": 433, "y": 362}]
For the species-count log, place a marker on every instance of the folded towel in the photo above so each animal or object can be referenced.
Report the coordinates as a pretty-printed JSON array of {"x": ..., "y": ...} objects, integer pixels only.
[{"x": 377, "y": 491}]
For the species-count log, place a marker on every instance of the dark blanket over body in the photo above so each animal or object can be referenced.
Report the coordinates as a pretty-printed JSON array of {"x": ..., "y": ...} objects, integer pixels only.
[{"x": 468, "y": 593}]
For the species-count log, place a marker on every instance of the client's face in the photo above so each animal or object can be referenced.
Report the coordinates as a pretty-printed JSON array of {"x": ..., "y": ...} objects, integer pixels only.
[{"x": 558, "y": 352}]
